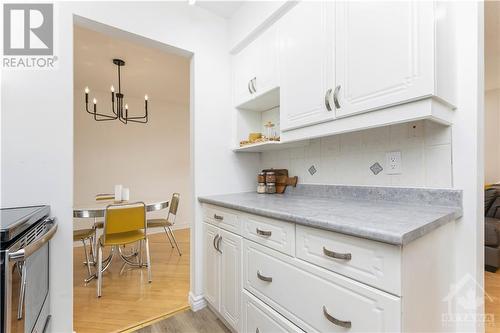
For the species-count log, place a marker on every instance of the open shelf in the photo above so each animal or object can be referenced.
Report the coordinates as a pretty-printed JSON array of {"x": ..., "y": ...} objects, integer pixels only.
[{"x": 270, "y": 145}]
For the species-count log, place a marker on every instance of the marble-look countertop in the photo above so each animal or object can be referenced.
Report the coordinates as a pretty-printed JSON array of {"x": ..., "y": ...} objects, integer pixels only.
[{"x": 387, "y": 221}]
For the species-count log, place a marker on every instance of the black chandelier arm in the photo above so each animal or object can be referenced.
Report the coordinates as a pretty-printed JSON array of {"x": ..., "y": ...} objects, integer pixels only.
[{"x": 96, "y": 114}]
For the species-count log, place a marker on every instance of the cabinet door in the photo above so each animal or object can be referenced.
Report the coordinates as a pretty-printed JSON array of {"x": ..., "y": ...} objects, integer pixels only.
[
  {"x": 306, "y": 64},
  {"x": 230, "y": 275},
  {"x": 383, "y": 53},
  {"x": 212, "y": 266},
  {"x": 243, "y": 73},
  {"x": 266, "y": 61}
]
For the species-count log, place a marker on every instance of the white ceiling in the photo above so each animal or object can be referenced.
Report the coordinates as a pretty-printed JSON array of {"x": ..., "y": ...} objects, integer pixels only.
[
  {"x": 492, "y": 44},
  {"x": 161, "y": 75},
  {"x": 225, "y": 9}
]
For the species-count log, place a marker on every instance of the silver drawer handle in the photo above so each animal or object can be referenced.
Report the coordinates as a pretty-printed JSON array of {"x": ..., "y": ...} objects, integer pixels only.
[
  {"x": 248, "y": 86},
  {"x": 345, "y": 324},
  {"x": 264, "y": 278},
  {"x": 336, "y": 255},
  {"x": 218, "y": 217},
  {"x": 336, "y": 97},
  {"x": 263, "y": 232},
  {"x": 327, "y": 99},
  {"x": 257, "y": 330}
]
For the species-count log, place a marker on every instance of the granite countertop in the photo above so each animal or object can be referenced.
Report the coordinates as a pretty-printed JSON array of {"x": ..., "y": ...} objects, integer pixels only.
[{"x": 391, "y": 215}]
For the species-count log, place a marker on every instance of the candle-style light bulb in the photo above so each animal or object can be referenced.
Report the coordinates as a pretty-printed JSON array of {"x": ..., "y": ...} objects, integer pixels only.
[
  {"x": 145, "y": 97},
  {"x": 95, "y": 101},
  {"x": 112, "y": 89},
  {"x": 87, "y": 90},
  {"x": 126, "y": 106}
]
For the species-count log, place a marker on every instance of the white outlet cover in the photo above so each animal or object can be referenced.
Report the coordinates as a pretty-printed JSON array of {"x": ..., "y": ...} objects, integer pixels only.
[{"x": 393, "y": 163}]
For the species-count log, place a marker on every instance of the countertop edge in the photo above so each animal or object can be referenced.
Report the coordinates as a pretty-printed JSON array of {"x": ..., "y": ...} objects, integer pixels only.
[{"x": 398, "y": 240}]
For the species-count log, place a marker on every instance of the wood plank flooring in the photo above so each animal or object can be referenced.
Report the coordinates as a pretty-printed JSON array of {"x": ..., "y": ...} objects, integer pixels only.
[
  {"x": 128, "y": 300},
  {"x": 203, "y": 321},
  {"x": 492, "y": 300}
]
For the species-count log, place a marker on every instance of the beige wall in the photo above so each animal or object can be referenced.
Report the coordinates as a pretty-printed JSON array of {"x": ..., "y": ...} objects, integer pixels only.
[
  {"x": 492, "y": 136},
  {"x": 151, "y": 159}
]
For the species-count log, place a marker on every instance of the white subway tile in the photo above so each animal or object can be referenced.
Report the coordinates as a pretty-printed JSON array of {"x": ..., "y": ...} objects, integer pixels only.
[
  {"x": 438, "y": 166},
  {"x": 436, "y": 134}
]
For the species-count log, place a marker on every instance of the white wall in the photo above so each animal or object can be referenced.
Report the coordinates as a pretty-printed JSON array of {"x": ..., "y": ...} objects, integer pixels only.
[
  {"x": 37, "y": 125},
  {"x": 151, "y": 159},
  {"x": 492, "y": 136},
  {"x": 425, "y": 149}
]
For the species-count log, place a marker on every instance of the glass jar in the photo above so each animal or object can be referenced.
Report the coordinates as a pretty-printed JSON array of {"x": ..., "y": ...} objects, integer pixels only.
[
  {"x": 270, "y": 188},
  {"x": 261, "y": 188},
  {"x": 270, "y": 177},
  {"x": 261, "y": 177}
]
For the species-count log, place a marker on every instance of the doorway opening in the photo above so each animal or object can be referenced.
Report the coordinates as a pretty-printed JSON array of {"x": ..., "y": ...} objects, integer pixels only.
[{"x": 151, "y": 161}]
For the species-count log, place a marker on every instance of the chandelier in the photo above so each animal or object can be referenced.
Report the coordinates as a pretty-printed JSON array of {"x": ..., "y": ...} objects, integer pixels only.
[{"x": 120, "y": 111}]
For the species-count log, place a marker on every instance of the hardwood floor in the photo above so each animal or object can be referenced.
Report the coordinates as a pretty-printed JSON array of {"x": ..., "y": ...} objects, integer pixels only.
[
  {"x": 128, "y": 300},
  {"x": 492, "y": 301},
  {"x": 203, "y": 321}
]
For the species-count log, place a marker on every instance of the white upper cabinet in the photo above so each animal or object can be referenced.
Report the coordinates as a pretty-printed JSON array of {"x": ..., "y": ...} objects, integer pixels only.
[
  {"x": 255, "y": 68},
  {"x": 306, "y": 64},
  {"x": 384, "y": 54}
]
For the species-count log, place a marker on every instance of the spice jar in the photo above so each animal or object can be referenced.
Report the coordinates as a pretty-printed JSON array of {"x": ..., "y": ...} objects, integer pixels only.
[
  {"x": 261, "y": 177},
  {"x": 270, "y": 177},
  {"x": 270, "y": 188},
  {"x": 261, "y": 188}
]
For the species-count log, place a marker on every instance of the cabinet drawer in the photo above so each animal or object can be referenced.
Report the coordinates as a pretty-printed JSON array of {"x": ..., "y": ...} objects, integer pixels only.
[
  {"x": 258, "y": 317},
  {"x": 374, "y": 263},
  {"x": 275, "y": 234},
  {"x": 222, "y": 217},
  {"x": 315, "y": 299}
]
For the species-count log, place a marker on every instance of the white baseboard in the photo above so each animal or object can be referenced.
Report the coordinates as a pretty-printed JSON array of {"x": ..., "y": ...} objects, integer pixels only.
[{"x": 196, "y": 302}]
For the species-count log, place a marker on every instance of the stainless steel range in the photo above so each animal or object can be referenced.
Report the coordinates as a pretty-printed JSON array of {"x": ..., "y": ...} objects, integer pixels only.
[{"x": 24, "y": 257}]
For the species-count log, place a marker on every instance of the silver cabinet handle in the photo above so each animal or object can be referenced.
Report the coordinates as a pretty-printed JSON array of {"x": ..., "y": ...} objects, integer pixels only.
[
  {"x": 257, "y": 330},
  {"x": 253, "y": 84},
  {"x": 264, "y": 278},
  {"x": 336, "y": 97},
  {"x": 215, "y": 240},
  {"x": 22, "y": 291},
  {"x": 336, "y": 255},
  {"x": 218, "y": 217},
  {"x": 218, "y": 244},
  {"x": 345, "y": 324},
  {"x": 249, "y": 88},
  {"x": 263, "y": 232},
  {"x": 327, "y": 99}
]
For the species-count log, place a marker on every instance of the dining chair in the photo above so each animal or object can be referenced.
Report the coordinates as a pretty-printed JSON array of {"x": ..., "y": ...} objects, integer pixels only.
[
  {"x": 167, "y": 223},
  {"x": 84, "y": 235},
  {"x": 123, "y": 224}
]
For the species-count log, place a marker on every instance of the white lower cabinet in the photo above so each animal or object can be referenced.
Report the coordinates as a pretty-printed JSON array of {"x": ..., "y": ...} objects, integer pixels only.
[
  {"x": 276, "y": 276},
  {"x": 257, "y": 317},
  {"x": 223, "y": 273},
  {"x": 315, "y": 300}
]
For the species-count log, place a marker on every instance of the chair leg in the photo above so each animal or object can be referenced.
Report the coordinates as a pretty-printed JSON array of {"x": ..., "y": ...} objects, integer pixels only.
[
  {"x": 168, "y": 236},
  {"x": 175, "y": 241},
  {"x": 99, "y": 271},
  {"x": 148, "y": 260},
  {"x": 86, "y": 258},
  {"x": 141, "y": 259}
]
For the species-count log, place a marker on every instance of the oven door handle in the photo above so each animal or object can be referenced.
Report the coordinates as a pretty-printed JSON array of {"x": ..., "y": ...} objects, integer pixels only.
[{"x": 24, "y": 253}]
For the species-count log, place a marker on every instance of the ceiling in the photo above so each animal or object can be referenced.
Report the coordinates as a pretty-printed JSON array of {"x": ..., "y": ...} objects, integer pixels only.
[
  {"x": 225, "y": 9},
  {"x": 161, "y": 75}
]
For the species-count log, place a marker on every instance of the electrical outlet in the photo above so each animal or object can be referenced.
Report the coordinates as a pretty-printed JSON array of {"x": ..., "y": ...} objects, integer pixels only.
[{"x": 393, "y": 166}]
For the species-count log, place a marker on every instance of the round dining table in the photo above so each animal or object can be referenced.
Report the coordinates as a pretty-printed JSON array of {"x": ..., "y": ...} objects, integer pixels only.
[{"x": 97, "y": 209}]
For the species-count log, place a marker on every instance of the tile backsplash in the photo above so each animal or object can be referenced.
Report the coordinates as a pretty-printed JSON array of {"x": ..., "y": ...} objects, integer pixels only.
[{"x": 351, "y": 158}]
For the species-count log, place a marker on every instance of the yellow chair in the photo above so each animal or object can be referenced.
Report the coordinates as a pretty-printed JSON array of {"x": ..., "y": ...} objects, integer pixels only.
[
  {"x": 123, "y": 224},
  {"x": 167, "y": 223},
  {"x": 83, "y": 235}
]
